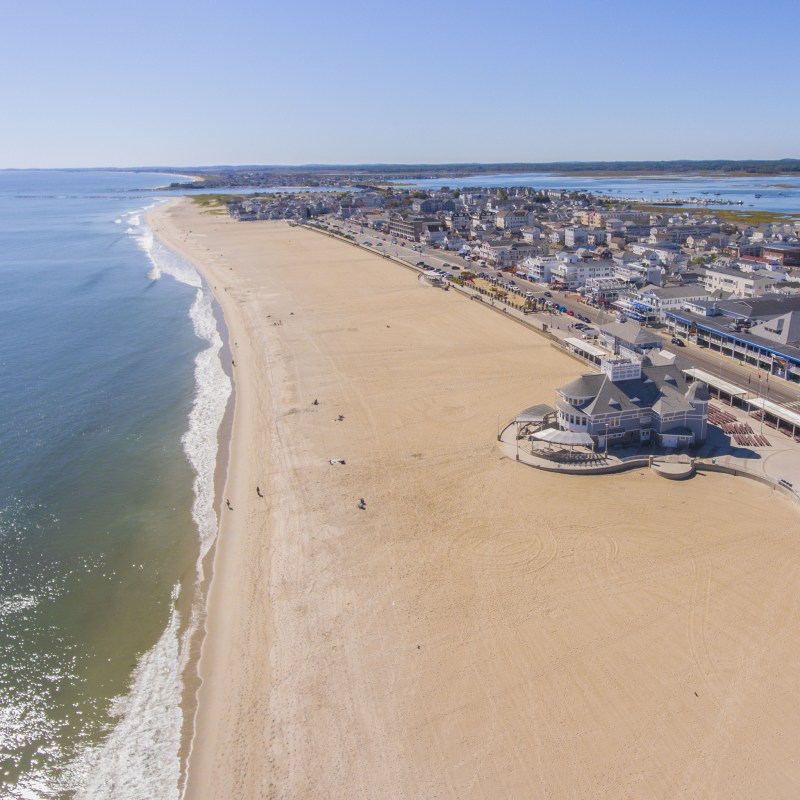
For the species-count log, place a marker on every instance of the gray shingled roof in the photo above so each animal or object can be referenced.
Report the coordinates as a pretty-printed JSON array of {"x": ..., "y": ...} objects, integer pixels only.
[
  {"x": 630, "y": 332},
  {"x": 698, "y": 391},
  {"x": 585, "y": 386},
  {"x": 662, "y": 388},
  {"x": 675, "y": 291},
  {"x": 764, "y": 306}
]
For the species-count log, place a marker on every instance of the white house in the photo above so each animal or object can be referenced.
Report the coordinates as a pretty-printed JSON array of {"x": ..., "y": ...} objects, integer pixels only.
[
  {"x": 669, "y": 298},
  {"x": 741, "y": 284}
]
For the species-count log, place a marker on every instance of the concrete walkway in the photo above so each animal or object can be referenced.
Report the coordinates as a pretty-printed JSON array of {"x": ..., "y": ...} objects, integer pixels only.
[{"x": 777, "y": 465}]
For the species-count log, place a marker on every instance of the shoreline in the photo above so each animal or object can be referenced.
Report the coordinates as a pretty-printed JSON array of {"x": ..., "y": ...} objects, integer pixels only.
[
  {"x": 193, "y": 673},
  {"x": 415, "y": 648}
]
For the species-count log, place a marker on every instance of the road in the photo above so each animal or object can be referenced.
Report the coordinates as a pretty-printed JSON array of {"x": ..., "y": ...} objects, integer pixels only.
[{"x": 776, "y": 389}]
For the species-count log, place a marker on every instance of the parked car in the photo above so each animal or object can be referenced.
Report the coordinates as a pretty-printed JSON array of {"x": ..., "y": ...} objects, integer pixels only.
[
  {"x": 570, "y": 312},
  {"x": 562, "y": 309},
  {"x": 677, "y": 341}
]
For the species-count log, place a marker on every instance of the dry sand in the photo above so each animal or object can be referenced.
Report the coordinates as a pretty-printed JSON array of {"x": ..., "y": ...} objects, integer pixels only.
[{"x": 482, "y": 629}]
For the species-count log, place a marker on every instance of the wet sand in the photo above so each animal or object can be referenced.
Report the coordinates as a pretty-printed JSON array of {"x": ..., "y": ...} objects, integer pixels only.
[{"x": 481, "y": 629}]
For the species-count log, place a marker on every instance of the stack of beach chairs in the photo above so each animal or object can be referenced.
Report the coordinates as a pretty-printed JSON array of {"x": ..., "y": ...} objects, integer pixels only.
[{"x": 740, "y": 432}]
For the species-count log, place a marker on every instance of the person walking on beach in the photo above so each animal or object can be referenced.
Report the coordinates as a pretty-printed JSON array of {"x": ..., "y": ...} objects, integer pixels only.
[
  {"x": 228, "y": 503},
  {"x": 258, "y": 491}
]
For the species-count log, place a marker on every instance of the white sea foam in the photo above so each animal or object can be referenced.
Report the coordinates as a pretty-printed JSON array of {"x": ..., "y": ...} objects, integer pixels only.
[
  {"x": 165, "y": 262},
  {"x": 139, "y": 759}
]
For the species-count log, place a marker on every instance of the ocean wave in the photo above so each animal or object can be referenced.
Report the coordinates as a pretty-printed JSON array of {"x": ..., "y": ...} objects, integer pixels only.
[
  {"x": 140, "y": 757},
  {"x": 162, "y": 260}
]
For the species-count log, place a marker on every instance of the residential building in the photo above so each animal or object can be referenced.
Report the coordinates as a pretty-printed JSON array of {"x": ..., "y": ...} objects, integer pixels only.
[
  {"x": 742, "y": 284},
  {"x": 669, "y": 298},
  {"x": 412, "y": 228},
  {"x": 640, "y": 273},
  {"x": 504, "y": 253},
  {"x": 513, "y": 219},
  {"x": 431, "y": 205},
  {"x": 538, "y": 268},
  {"x": 574, "y": 273},
  {"x": 573, "y": 237}
]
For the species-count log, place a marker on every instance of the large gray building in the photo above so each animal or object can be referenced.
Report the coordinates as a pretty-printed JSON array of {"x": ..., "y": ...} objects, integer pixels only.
[
  {"x": 634, "y": 402},
  {"x": 761, "y": 331}
]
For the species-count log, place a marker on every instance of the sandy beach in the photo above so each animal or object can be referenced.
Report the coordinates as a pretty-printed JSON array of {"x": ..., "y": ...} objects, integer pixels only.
[{"x": 481, "y": 629}]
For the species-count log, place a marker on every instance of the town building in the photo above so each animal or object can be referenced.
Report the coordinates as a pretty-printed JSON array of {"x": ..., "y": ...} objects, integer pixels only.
[
  {"x": 513, "y": 219},
  {"x": 574, "y": 273},
  {"x": 786, "y": 254},
  {"x": 741, "y": 284},
  {"x": 762, "y": 331},
  {"x": 412, "y": 228},
  {"x": 669, "y": 298},
  {"x": 628, "y": 339},
  {"x": 632, "y": 402}
]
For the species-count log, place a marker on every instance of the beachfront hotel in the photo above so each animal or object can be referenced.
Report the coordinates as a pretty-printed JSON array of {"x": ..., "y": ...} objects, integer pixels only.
[{"x": 633, "y": 402}]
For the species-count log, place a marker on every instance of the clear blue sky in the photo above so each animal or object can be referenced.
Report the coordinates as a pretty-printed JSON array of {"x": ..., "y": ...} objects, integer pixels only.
[{"x": 244, "y": 82}]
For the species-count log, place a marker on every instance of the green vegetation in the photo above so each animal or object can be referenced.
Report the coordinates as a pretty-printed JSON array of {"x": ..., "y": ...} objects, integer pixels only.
[
  {"x": 212, "y": 200},
  {"x": 733, "y": 216},
  {"x": 754, "y": 217}
]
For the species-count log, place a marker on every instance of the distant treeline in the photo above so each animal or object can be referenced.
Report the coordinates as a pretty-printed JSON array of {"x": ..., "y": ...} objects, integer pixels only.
[
  {"x": 752, "y": 165},
  {"x": 312, "y": 175}
]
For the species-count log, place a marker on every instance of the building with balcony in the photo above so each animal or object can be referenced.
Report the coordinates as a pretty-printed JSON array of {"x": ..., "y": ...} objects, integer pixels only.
[
  {"x": 412, "y": 228},
  {"x": 742, "y": 284},
  {"x": 634, "y": 402}
]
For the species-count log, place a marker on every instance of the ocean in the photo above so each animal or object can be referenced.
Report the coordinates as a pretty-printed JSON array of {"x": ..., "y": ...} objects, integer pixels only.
[{"x": 112, "y": 392}]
